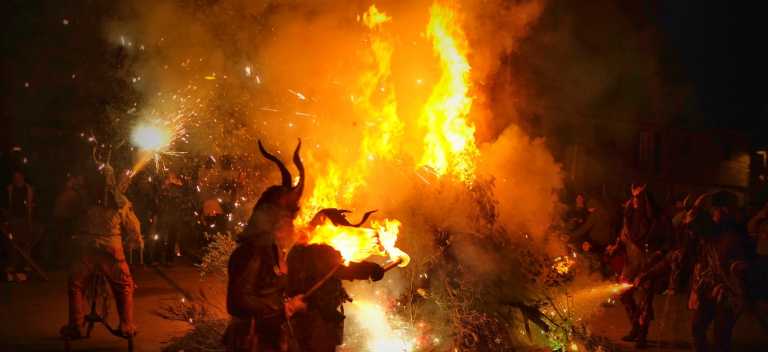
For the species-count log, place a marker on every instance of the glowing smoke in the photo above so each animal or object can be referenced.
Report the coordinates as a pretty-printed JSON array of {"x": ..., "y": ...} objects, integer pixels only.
[{"x": 353, "y": 88}]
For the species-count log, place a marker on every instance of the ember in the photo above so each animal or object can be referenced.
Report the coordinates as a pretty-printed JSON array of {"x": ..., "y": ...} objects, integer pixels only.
[{"x": 563, "y": 264}]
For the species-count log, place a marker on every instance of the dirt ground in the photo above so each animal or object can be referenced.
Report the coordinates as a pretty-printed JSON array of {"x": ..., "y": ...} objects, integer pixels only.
[
  {"x": 670, "y": 332},
  {"x": 32, "y": 312}
]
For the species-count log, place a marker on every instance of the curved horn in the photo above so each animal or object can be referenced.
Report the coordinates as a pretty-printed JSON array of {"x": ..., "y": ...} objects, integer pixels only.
[
  {"x": 335, "y": 215},
  {"x": 300, "y": 166},
  {"x": 284, "y": 174},
  {"x": 364, "y": 219}
]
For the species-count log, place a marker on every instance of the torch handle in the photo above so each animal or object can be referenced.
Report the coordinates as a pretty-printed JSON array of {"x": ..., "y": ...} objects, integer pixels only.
[
  {"x": 322, "y": 281},
  {"x": 389, "y": 266},
  {"x": 333, "y": 271}
]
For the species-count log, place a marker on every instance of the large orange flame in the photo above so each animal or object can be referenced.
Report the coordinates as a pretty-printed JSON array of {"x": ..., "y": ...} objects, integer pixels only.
[
  {"x": 384, "y": 127},
  {"x": 442, "y": 124},
  {"x": 376, "y": 101},
  {"x": 449, "y": 144},
  {"x": 449, "y": 141}
]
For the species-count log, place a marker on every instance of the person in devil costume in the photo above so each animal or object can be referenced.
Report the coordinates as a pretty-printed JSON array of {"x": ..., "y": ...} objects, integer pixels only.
[
  {"x": 108, "y": 221},
  {"x": 718, "y": 292},
  {"x": 320, "y": 328},
  {"x": 257, "y": 268},
  {"x": 640, "y": 239}
]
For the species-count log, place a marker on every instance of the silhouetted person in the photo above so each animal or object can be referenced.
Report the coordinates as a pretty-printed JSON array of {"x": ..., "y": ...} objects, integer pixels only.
[
  {"x": 170, "y": 218},
  {"x": 18, "y": 228},
  {"x": 320, "y": 328},
  {"x": 257, "y": 268},
  {"x": 639, "y": 239},
  {"x": 718, "y": 292},
  {"x": 68, "y": 207}
]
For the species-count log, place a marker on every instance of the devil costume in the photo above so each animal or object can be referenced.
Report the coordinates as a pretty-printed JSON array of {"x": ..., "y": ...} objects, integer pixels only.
[
  {"x": 257, "y": 268},
  {"x": 108, "y": 222},
  {"x": 639, "y": 239},
  {"x": 255, "y": 297},
  {"x": 321, "y": 327}
]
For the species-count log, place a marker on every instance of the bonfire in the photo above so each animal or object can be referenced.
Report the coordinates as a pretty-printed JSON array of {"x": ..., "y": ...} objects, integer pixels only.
[{"x": 391, "y": 103}]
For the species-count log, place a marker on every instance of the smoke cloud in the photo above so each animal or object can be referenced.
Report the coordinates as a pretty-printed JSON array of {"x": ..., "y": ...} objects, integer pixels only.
[
  {"x": 236, "y": 71},
  {"x": 241, "y": 70}
]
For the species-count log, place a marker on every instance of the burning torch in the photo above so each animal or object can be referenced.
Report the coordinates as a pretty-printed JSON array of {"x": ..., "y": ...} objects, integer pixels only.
[
  {"x": 387, "y": 267},
  {"x": 393, "y": 264},
  {"x": 386, "y": 237}
]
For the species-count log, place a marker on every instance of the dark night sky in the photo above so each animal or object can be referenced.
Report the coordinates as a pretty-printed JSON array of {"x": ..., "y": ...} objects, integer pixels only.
[
  {"x": 711, "y": 45},
  {"x": 66, "y": 67},
  {"x": 717, "y": 45}
]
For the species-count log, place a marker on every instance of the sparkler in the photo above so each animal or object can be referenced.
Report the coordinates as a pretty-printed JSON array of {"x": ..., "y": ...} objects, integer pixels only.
[
  {"x": 572, "y": 306},
  {"x": 151, "y": 137},
  {"x": 383, "y": 335},
  {"x": 154, "y": 139},
  {"x": 594, "y": 295}
]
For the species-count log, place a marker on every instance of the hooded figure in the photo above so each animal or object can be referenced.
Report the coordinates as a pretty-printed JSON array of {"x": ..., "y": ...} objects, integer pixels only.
[
  {"x": 108, "y": 221},
  {"x": 257, "y": 267}
]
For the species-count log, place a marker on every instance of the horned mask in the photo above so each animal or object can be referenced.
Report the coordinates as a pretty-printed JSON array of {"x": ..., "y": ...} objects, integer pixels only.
[{"x": 285, "y": 195}]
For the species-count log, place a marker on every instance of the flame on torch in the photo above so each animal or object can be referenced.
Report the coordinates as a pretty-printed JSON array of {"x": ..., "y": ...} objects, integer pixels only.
[
  {"x": 358, "y": 243},
  {"x": 388, "y": 232},
  {"x": 354, "y": 243}
]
